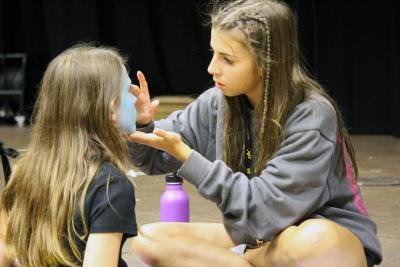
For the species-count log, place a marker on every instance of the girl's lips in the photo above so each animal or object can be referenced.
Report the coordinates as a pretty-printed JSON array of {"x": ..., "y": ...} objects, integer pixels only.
[{"x": 219, "y": 85}]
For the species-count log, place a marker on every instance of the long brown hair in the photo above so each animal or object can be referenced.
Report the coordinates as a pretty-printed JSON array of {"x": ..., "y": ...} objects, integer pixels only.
[
  {"x": 270, "y": 33},
  {"x": 73, "y": 135}
]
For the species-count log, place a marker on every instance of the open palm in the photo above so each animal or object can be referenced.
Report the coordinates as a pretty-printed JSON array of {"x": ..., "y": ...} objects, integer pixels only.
[{"x": 169, "y": 142}]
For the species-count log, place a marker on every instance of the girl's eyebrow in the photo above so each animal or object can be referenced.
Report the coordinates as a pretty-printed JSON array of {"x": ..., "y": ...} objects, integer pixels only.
[
  {"x": 222, "y": 53},
  {"x": 225, "y": 54}
]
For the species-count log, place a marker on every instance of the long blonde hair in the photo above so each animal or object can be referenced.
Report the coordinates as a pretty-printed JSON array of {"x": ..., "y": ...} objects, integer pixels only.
[
  {"x": 270, "y": 34},
  {"x": 73, "y": 135}
]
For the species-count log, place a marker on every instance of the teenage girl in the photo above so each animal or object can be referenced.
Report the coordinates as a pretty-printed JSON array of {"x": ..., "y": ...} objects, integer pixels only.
[{"x": 268, "y": 146}]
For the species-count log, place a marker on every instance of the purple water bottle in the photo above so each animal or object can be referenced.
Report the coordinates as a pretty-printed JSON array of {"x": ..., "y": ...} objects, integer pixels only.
[{"x": 174, "y": 202}]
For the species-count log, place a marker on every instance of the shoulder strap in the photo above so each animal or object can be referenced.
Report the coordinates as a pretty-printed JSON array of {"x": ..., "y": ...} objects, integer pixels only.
[{"x": 248, "y": 157}]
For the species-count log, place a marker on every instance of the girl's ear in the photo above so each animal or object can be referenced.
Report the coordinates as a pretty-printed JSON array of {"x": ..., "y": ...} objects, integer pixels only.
[{"x": 114, "y": 106}]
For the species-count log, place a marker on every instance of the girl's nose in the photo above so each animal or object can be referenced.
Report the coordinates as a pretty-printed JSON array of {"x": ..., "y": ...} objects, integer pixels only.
[{"x": 212, "y": 68}]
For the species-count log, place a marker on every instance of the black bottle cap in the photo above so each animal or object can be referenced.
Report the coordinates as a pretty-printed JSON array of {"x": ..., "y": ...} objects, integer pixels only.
[{"x": 173, "y": 179}]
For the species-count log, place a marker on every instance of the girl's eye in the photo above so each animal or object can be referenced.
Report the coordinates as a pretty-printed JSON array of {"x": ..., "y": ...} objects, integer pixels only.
[{"x": 227, "y": 60}]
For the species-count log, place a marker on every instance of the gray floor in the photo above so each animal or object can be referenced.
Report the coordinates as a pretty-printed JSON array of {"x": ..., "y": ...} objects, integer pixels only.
[{"x": 379, "y": 163}]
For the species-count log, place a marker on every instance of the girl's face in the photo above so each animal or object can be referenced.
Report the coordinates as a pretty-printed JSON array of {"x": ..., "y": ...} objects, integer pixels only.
[
  {"x": 124, "y": 111},
  {"x": 233, "y": 67}
]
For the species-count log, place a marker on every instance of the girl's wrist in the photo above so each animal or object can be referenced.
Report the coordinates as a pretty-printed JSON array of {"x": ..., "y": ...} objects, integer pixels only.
[{"x": 183, "y": 152}]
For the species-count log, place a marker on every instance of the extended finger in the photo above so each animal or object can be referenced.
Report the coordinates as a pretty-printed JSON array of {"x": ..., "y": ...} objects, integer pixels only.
[
  {"x": 142, "y": 82},
  {"x": 166, "y": 135},
  {"x": 136, "y": 137},
  {"x": 160, "y": 132}
]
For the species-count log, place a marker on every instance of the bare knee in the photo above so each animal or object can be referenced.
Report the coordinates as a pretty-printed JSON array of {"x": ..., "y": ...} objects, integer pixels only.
[
  {"x": 164, "y": 230},
  {"x": 152, "y": 243},
  {"x": 152, "y": 229},
  {"x": 183, "y": 251},
  {"x": 297, "y": 243},
  {"x": 143, "y": 244},
  {"x": 317, "y": 233},
  {"x": 143, "y": 248},
  {"x": 320, "y": 242}
]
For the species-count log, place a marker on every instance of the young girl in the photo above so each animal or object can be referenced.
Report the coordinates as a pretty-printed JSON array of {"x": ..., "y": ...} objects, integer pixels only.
[
  {"x": 68, "y": 202},
  {"x": 268, "y": 146}
]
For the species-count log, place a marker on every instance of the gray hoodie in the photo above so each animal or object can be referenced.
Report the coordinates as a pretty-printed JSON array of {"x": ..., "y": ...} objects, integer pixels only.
[{"x": 301, "y": 181}]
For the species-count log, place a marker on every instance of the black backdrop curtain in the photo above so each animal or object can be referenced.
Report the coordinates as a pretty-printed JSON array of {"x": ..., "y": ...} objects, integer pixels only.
[{"x": 350, "y": 46}]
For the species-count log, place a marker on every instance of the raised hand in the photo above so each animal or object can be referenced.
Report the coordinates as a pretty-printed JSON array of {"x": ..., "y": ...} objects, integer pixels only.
[
  {"x": 145, "y": 108},
  {"x": 169, "y": 142}
]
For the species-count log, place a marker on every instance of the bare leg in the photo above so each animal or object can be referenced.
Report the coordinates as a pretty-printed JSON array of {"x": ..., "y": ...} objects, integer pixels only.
[
  {"x": 186, "y": 244},
  {"x": 313, "y": 243}
]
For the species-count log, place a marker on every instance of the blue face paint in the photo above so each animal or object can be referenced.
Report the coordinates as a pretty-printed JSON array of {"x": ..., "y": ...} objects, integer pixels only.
[{"x": 127, "y": 112}]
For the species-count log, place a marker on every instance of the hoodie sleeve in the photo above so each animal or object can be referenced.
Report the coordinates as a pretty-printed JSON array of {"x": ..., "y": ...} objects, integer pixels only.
[{"x": 292, "y": 185}]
